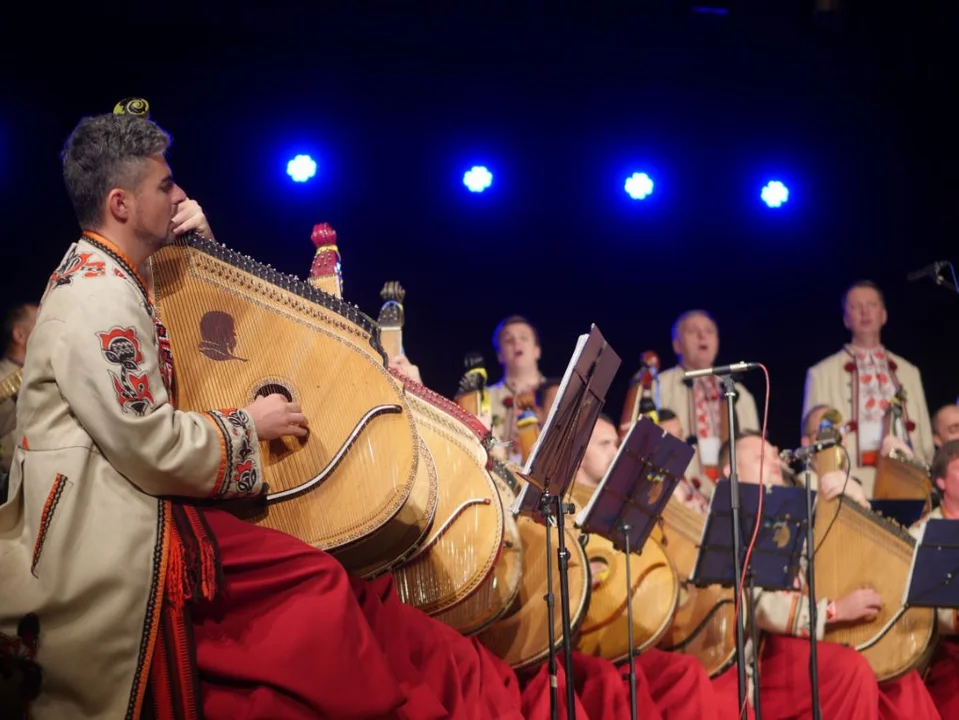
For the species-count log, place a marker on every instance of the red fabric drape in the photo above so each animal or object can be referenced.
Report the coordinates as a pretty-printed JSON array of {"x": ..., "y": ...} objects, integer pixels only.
[
  {"x": 907, "y": 698},
  {"x": 726, "y": 688},
  {"x": 942, "y": 680},
  {"x": 443, "y": 673},
  {"x": 847, "y": 685},
  {"x": 681, "y": 689},
  {"x": 285, "y": 637}
]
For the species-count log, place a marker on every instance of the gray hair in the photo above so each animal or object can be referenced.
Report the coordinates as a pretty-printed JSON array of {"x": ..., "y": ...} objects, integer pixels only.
[{"x": 106, "y": 152}]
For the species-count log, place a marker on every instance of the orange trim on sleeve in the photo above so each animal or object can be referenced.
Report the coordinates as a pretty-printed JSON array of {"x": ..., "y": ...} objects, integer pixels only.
[{"x": 224, "y": 459}]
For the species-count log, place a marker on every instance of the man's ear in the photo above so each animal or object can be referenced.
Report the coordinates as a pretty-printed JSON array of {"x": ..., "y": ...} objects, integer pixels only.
[{"x": 119, "y": 205}]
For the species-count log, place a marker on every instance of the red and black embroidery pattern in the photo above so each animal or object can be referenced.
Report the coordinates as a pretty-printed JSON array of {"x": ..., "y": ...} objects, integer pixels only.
[
  {"x": 165, "y": 358},
  {"x": 76, "y": 265},
  {"x": 49, "y": 508},
  {"x": 121, "y": 347},
  {"x": 20, "y": 675},
  {"x": 239, "y": 469}
]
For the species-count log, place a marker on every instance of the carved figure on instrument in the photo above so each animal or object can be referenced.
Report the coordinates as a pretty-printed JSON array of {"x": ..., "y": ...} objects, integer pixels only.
[
  {"x": 641, "y": 398},
  {"x": 857, "y": 594}
]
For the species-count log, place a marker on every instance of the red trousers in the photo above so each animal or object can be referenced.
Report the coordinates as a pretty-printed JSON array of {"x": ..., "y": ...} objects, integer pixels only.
[
  {"x": 442, "y": 673},
  {"x": 286, "y": 638},
  {"x": 600, "y": 691},
  {"x": 942, "y": 680},
  {"x": 847, "y": 685},
  {"x": 681, "y": 689}
]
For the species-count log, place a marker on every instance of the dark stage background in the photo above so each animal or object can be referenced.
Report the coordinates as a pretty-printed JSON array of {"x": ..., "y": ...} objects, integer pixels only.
[{"x": 853, "y": 113}]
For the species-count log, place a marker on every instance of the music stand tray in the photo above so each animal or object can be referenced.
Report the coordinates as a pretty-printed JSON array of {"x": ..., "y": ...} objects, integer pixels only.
[
  {"x": 637, "y": 486},
  {"x": 775, "y": 560},
  {"x": 934, "y": 578},
  {"x": 553, "y": 462}
]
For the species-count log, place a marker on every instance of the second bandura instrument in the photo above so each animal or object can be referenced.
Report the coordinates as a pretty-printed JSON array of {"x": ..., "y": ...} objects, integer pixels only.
[
  {"x": 452, "y": 574},
  {"x": 654, "y": 595},
  {"x": 898, "y": 475},
  {"x": 857, "y": 548},
  {"x": 705, "y": 621},
  {"x": 239, "y": 329}
]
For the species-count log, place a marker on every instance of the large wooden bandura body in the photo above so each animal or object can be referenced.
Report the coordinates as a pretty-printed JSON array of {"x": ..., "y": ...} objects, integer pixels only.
[
  {"x": 451, "y": 575},
  {"x": 857, "y": 548},
  {"x": 705, "y": 621},
  {"x": 654, "y": 592},
  {"x": 358, "y": 485}
]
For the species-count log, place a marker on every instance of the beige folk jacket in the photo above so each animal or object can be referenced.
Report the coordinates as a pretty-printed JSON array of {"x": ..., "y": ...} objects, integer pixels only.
[
  {"x": 833, "y": 382},
  {"x": 84, "y": 533}
]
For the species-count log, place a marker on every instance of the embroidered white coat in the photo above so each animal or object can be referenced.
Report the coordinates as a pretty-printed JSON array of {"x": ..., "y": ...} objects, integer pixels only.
[
  {"x": 829, "y": 383},
  {"x": 675, "y": 395},
  {"x": 83, "y": 535}
]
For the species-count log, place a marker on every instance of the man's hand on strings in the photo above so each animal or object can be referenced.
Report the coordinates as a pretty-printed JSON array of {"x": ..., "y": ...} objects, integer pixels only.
[
  {"x": 274, "y": 416},
  {"x": 834, "y": 483},
  {"x": 861, "y": 604},
  {"x": 189, "y": 216}
]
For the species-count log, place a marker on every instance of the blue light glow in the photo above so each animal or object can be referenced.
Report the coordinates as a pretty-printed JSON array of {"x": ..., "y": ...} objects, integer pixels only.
[
  {"x": 774, "y": 194},
  {"x": 301, "y": 168},
  {"x": 639, "y": 186},
  {"x": 477, "y": 179}
]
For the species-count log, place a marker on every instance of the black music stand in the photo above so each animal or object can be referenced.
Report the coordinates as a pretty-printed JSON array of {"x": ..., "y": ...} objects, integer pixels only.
[
  {"x": 549, "y": 471},
  {"x": 934, "y": 577},
  {"x": 775, "y": 561},
  {"x": 629, "y": 500}
]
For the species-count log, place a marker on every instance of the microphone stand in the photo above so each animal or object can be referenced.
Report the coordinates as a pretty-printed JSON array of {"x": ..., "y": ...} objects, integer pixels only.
[
  {"x": 811, "y": 588},
  {"x": 729, "y": 390}
]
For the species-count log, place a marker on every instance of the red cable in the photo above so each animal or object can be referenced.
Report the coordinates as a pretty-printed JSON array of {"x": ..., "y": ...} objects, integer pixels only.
[{"x": 759, "y": 514}]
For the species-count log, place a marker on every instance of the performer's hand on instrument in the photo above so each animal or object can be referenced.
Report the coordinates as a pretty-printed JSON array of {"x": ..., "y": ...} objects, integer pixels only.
[
  {"x": 189, "y": 216},
  {"x": 274, "y": 416},
  {"x": 891, "y": 442},
  {"x": 834, "y": 483},
  {"x": 861, "y": 604},
  {"x": 401, "y": 364}
]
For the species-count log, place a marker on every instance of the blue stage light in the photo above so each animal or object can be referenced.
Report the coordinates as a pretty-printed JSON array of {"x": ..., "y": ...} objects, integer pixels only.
[
  {"x": 477, "y": 179},
  {"x": 774, "y": 194},
  {"x": 301, "y": 168},
  {"x": 639, "y": 186}
]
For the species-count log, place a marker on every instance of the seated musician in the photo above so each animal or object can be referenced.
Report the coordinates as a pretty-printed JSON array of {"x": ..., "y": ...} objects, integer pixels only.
[
  {"x": 678, "y": 684},
  {"x": 128, "y": 589},
  {"x": 847, "y": 685},
  {"x": 516, "y": 343},
  {"x": 945, "y": 425},
  {"x": 942, "y": 679},
  {"x": 698, "y": 403},
  {"x": 686, "y": 492}
]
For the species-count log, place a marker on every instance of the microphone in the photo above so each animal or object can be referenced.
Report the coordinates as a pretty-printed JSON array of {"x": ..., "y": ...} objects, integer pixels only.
[
  {"x": 928, "y": 271},
  {"x": 721, "y": 370},
  {"x": 804, "y": 453}
]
